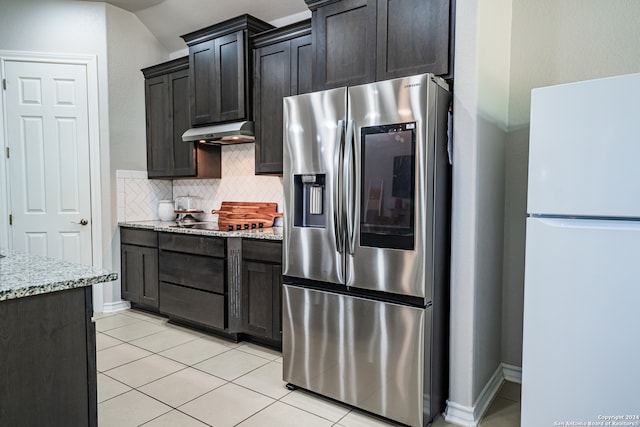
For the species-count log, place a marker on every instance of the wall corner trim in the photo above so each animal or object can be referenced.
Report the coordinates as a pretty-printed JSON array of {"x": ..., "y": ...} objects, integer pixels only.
[
  {"x": 512, "y": 373},
  {"x": 469, "y": 416},
  {"x": 111, "y": 307}
]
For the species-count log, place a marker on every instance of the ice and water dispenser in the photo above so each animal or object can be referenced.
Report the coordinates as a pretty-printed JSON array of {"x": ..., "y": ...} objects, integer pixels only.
[{"x": 309, "y": 197}]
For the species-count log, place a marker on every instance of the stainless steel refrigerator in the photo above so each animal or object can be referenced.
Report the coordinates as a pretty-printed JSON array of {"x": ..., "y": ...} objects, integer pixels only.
[{"x": 366, "y": 246}]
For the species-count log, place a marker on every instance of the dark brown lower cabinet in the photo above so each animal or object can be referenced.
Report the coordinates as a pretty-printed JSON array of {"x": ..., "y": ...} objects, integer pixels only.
[
  {"x": 139, "y": 266},
  {"x": 230, "y": 286},
  {"x": 192, "y": 279},
  {"x": 261, "y": 299},
  {"x": 193, "y": 305},
  {"x": 48, "y": 360},
  {"x": 262, "y": 289}
]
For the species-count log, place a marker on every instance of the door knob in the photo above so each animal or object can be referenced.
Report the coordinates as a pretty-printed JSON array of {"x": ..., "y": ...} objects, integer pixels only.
[{"x": 81, "y": 222}]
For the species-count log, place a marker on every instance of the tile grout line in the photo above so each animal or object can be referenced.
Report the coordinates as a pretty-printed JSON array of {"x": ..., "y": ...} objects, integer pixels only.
[
  {"x": 308, "y": 412},
  {"x": 177, "y": 408},
  {"x": 120, "y": 394},
  {"x": 138, "y": 360},
  {"x": 255, "y": 413},
  {"x": 164, "y": 349},
  {"x": 130, "y": 340}
]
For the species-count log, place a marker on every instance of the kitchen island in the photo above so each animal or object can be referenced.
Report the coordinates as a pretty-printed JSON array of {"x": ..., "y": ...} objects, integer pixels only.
[{"x": 47, "y": 342}]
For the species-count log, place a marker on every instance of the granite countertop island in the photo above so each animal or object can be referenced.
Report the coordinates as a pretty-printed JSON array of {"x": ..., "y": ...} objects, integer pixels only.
[
  {"x": 267, "y": 233},
  {"x": 24, "y": 275},
  {"x": 48, "y": 340}
]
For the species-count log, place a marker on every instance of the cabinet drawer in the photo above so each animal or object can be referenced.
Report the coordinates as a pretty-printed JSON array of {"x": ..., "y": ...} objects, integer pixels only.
[
  {"x": 199, "y": 245},
  {"x": 195, "y": 271},
  {"x": 192, "y": 305},
  {"x": 135, "y": 236},
  {"x": 262, "y": 250}
]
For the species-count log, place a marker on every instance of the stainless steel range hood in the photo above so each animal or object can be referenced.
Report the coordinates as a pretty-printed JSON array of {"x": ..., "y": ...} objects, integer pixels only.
[{"x": 226, "y": 133}]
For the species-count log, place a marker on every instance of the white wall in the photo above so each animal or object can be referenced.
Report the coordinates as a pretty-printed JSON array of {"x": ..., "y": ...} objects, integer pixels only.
[
  {"x": 66, "y": 27},
  {"x": 122, "y": 45},
  {"x": 503, "y": 50},
  {"x": 552, "y": 42},
  {"x": 130, "y": 47},
  {"x": 480, "y": 127}
]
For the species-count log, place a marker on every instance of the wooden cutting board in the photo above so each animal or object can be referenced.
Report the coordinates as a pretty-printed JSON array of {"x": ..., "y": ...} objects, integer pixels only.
[{"x": 246, "y": 215}]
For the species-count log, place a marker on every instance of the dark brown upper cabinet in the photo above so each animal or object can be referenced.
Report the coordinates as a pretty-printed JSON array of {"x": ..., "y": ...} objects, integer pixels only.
[
  {"x": 361, "y": 41},
  {"x": 283, "y": 64},
  {"x": 344, "y": 42},
  {"x": 220, "y": 69},
  {"x": 413, "y": 38},
  {"x": 167, "y": 103}
]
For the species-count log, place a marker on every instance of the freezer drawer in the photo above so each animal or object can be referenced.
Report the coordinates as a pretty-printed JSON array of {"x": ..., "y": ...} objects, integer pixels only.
[
  {"x": 366, "y": 353},
  {"x": 580, "y": 320}
]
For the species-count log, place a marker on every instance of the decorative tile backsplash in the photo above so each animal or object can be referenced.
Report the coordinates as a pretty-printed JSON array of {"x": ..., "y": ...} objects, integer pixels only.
[{"x": 138, "y": 196}]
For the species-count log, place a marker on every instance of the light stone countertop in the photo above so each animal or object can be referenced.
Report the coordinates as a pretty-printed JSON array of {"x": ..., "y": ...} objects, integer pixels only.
[
  {"x": 268, "y": 233},
  {"x": 23, "y": 275}
]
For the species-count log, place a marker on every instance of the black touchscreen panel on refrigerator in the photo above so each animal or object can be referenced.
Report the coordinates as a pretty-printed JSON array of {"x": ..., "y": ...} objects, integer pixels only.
[{"x": 388, "y": 186}]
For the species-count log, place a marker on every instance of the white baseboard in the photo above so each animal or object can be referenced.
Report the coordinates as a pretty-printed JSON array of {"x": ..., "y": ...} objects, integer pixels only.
[
  {"x": 469, "y": 416},
  {"x": 512, "y": 373},
  {"x": 110, "y": 307},
  {"x": 459, "y": 414}
]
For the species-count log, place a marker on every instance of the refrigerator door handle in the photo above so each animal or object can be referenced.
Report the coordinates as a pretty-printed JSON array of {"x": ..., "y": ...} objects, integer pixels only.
[
  {"x": 337, "y": 193},
  {"x": 349, "y": 187}
]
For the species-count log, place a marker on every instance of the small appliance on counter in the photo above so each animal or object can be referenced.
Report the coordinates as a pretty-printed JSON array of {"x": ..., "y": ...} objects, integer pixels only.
[
  {"x": 188, "y": 209},
  {"x": 166, "y": 210}
]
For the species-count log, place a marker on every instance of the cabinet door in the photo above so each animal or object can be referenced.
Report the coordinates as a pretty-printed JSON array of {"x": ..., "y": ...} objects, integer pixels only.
[
  {"x": 48, "y": 359},
  {"x": 261, "y": 299},
  {"x": 130, "y": 277},
  {"x": 218, "y": 79},
  {"x": 413, "y": 37},
  {"x": 301, "y": 65},
  {"x": 168, "y": 117},
  {"x": 179, "y": 96},
  {"x": 345, "y": 44},
  {"x": 272, "y": 83},
  {"x": 202, "y": 65},
  {"x": 148, "y": 277},
  {"x": 159, "y": 142},
  {"x": 139, "y": 282},
  {"x": 230, "y": 77}
]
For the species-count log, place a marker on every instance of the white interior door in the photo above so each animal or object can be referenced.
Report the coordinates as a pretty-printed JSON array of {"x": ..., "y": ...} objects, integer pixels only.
[{"x": 48, "y": 137}]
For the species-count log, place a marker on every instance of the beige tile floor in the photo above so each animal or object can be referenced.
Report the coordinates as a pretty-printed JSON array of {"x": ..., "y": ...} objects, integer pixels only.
[{"x": 155, "y": 374}]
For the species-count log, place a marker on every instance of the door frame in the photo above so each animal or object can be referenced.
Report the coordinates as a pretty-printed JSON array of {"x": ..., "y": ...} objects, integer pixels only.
[{"x": 90, "y": 64}]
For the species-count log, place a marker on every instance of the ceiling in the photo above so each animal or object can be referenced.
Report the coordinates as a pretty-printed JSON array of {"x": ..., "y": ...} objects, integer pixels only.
[{"x": 169, "y": 19}]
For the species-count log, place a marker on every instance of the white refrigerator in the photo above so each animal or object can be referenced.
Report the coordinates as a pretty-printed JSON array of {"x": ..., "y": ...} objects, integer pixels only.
[{"x": 581, "y": 334}]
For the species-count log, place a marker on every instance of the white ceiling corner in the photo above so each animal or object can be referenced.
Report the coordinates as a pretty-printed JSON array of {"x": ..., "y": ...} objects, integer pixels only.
[{"x": 169, "y": 19}]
